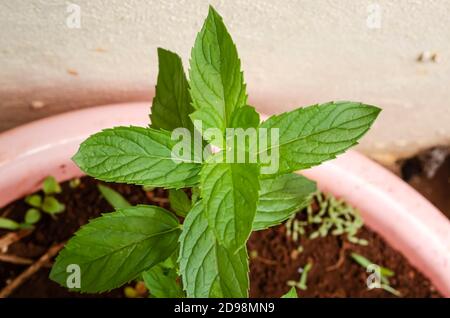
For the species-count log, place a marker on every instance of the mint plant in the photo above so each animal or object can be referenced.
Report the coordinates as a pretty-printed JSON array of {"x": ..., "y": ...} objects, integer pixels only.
[{"x": 202, "y": 252}]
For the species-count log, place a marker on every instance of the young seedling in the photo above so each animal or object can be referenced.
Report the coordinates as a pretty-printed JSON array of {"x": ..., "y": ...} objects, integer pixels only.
[
  {"x": 383, "y": 272},
  {"x": 195, "y": 125},
  {"x": 332, "y": 216},
  {"x": 8, "y": 224},
  {"x": 301, "y": 284},
  {"x": 47, "y": 204}
]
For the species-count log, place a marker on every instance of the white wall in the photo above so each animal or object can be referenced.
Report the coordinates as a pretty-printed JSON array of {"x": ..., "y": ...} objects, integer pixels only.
[{"x": 294, "y": 52}]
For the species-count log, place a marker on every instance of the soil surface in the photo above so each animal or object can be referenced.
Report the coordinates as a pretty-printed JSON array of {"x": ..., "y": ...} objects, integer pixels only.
[
  {"x": 333, "y": 273},
  {"x": 429, "y": 173}
]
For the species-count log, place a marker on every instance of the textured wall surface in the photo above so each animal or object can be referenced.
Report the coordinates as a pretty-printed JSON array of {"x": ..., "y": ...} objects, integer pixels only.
[{"x": 294, "y": 52}]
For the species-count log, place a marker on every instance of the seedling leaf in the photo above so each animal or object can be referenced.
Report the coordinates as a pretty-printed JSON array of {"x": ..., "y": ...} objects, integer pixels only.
[
  {"x": 32, "y": 216},
  {"x": 51, "y": 186},
  {"x": 113, "y": 197},
  {"x": 51, "y": 205},
  {"x": 34, "y": 200},
  {"x": 364, "y": 262},
  {"x": 8, "y": 224}
]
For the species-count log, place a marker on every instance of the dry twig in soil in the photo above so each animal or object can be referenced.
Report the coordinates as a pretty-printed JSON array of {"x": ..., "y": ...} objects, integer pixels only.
[
  {"x": 31, "y": 270},
  {"x": 12, "y": 237}
]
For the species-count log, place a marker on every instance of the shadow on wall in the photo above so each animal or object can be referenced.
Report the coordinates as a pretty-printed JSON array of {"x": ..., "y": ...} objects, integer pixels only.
[{"x": 46, "y": 102}]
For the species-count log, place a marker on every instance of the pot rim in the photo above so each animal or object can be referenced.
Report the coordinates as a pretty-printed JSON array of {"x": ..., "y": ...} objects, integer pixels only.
[{"x": 389, "y": 206}]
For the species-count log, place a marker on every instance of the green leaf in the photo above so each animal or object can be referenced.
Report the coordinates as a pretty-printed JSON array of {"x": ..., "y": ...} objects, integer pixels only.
[
  {"x": 207, "y": 268},
  {"x": 311, "y": 135},
  {"x": 8, "y": 224},
  {"x": 217, "y": 83},
  {"x": 179, "y": 202},
  {"x": 172, "y": 103},
  {"x": 114, "y": 198},
  {"x": 34, "y": 200},
  {"x": 162, "y": 283},
  {"x": 230, "y": 195},
  {"x": 51, "y": 205},
  {"x": 32, "y": 216},
  {"x": 51, "y": 186},
  {"x": 245, "y": 117},
  {"x": 116, "y": 247},
  {"x": 136, "y": 155},
  {"x": 280, "y": 197},
  {"x": 292, "y": 293}
]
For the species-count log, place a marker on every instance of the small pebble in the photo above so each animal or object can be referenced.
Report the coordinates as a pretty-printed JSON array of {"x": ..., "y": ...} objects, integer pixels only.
[
  {"x": 294, "y": 254},
  {"x": 140, "y": 288},
  {"x": 37, "y": 104},
  {"x": 71, "y": 71}
]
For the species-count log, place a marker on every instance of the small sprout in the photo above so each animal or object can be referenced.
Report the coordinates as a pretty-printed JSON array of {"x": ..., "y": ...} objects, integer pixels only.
[
  {"x": 364, "y": 262},
  {"x": 304, "y": 276},
  {"x": 34, "y": 200},
  {"x": 301, "y": 284},
  {"x": 52, "y": 206},
  {"x": 8, "y": 224},
  {"x": 114, "y": 198},
  {"x": 51, "y": 186},
  {"x": 74, "y": 183},
  {"x": 333, "y": 217},
  {"x": 32, "y": 216},
  {"x": 48, "y": 204},
  {"x": 179, "y": 202},
  {"x": 383, "y": 271}
]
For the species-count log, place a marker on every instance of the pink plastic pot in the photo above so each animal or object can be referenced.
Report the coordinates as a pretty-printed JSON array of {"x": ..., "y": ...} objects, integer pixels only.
[{"x": 406, "y": 220}]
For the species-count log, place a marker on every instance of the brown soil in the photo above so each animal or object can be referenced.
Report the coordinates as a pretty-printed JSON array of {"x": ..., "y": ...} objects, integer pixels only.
[
  {"x": 333, "y": 272},
  {"x": 429, "y": 173},
  {"x": 270, "y": 270}
]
